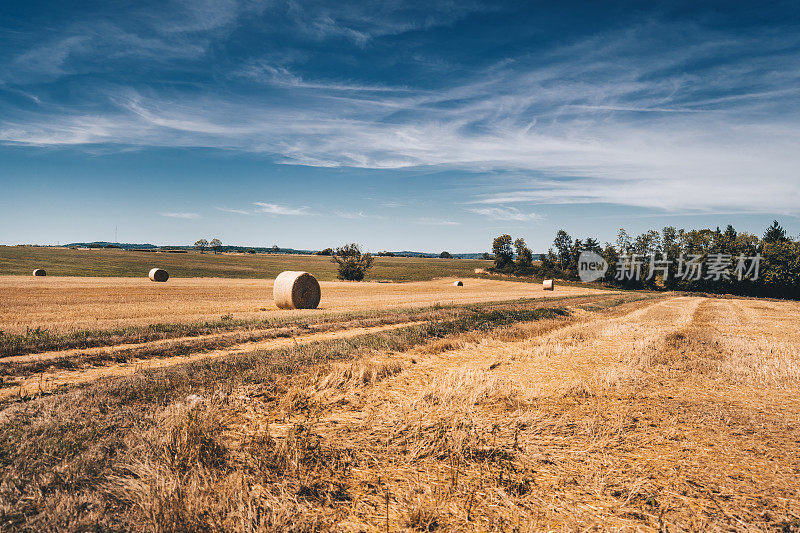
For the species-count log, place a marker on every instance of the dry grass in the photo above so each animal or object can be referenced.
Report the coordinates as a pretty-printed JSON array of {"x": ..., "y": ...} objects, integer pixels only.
[
  {"x": 574, "y": 425},
  {"x": 35, "y": 373},
  {"x": 671, "y": 414},
  {"x": 69, "y": 304},
  {"x": 82, "y": 371},
  {"x": 67, "y": 459}
]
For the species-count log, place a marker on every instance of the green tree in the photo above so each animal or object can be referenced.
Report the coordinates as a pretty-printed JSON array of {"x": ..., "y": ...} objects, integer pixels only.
[
  {"x": 671, "y": 250},
  {"x": 216, "y": 245},
  {"x": 201, "y": 245},
  {"x": 503, "y": 252},
  {"x": 775, "y": 233},
  {"x": 563, "y": 244},
  {"x": 647, "y": 243},
  {"x": 669, "y": 241},
  {"x": 353, "y": 264},
  {"x": 623, "y": 242},
  {"x": 747, "y": 244},
  {"x": 593, "y": 246},
  {"x": 549, "y": 261},
  {"x": 524, "y": 256},
  {"x": 780, "y": 269},
  {"x": 445, "y": 255},
  {"x": 611, "y": 255}
]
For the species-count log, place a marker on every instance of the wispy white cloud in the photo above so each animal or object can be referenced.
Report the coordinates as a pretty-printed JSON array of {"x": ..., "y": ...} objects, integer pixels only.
[
  {"x": 355, "y": 215},
  {"x": 276, "y": 209},
  {"x": 425, "y": 221},
  {"x": 234, "y": 211},
  {"x": 506, "y": 213},
  {"x": 320, "y": 20},
  {"x": 282, "y": 77},
  {"x": 188, "y": 216},
  {"x": 634, "y": 128},
  {"x": 181, "y": 30},
  {"x": 43, "y": 62}
]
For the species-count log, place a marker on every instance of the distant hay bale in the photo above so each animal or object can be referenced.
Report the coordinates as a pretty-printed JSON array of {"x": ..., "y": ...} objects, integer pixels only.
[
  {"x": 548, "y": 285},
  {"x": 296, "y": 290},
  {"x": 458, "y": 283},
  {"x": 39, "y": 272},
  {"x": 158, "y": 274}
]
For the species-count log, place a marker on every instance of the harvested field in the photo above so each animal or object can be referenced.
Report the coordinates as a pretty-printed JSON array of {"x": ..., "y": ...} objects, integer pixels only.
[
  {"x": 53, "y": 380},
  {"x": 20, "y": 260},
  {"x": 68, "y": 304},
  {"x": 633, "y": 412},
  {"x": 680, "y": 414},
  {"x": 30, "y": 370}
]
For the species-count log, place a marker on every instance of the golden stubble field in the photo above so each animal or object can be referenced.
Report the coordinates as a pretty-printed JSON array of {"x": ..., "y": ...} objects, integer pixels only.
[
  {"x": 74, "y": 303},
  {"x": 648, "y": 412},
  {"x": 675, "y": 414}
]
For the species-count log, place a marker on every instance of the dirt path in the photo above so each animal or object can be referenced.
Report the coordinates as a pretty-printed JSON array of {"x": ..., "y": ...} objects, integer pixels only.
[
  {"x": 116, "y": 348},
  {"x": 51, "y": 380},
  {"x": 196, "y": 347},
  {"x": 276, "y": 330}
]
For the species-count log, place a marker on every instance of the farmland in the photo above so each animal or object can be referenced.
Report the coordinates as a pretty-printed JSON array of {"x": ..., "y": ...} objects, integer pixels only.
[
  {"x": 584, "y": 315},
  {"x": 197, "y": 405},
  {"x": 63, "y": 304},
  {"x": 17, "y": 260}
]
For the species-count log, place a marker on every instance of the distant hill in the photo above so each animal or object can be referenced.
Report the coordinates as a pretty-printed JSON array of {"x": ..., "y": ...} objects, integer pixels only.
[
  {"x": 407, "y": 253},
  {"x": 247, "y": 249},
  {"x": 106, "y": 244},
  {"x": 143, "y": 247}
]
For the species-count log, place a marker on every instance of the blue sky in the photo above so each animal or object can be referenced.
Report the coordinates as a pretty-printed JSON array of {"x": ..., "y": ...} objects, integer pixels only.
[{"x": 398, "y": 125}]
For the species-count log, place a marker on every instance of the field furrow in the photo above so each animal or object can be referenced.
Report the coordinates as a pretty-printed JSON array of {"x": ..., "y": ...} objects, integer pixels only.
[
  {"x": 47, "y": 382},
  {"x": 593, "y": 410},
  {"x": 634, "y": 412}
]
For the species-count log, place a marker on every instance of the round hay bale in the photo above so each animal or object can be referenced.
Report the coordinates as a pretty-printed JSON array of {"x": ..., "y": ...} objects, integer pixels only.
[
  {"x": 39, "y": 272},
  {"x": 458, "y": 283},
  {"x": 296, "y": 290},
  {"x": 158, "y": 274},
  {"x": 548, "y": 285}
]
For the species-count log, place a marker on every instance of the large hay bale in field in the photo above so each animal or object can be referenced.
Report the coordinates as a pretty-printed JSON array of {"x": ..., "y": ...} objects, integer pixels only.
[
  {"x": 158, "y": 274},
  {"x": 39, "y": 272},
  {"x": 458, "y": 283},
  {"x": 296, "y": 290},
  {"x": 548, "y": 285}
]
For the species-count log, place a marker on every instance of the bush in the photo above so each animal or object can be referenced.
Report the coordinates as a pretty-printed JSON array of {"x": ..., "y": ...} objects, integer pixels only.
[{"x": 353, "y": 265}]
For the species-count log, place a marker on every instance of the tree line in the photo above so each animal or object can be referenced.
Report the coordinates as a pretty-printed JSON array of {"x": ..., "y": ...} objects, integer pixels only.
[
  {"x": 202, "y": 244},
  {"x": 716, "y": 261}
]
